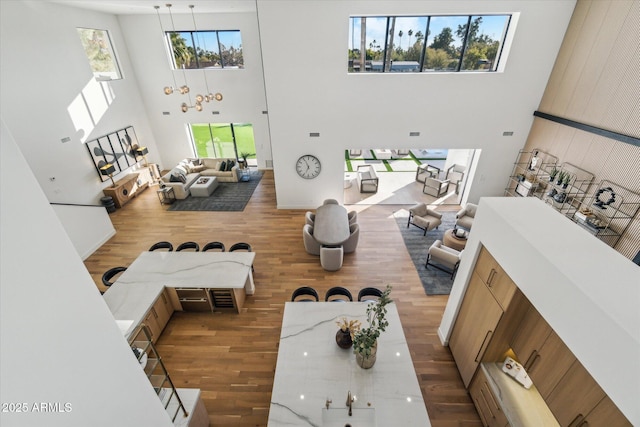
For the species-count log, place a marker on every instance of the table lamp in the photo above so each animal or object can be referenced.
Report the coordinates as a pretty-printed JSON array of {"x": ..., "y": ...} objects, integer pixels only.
[
  {"x": 108, "y": 169},
  {"x": 142, "y": 151}
]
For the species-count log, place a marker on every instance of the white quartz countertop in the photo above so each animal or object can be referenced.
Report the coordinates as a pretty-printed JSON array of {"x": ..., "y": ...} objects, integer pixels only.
[
  {"x": 522, "y": 407},
  {"x": 131, "y": 296},
  {"x": 311, "y": 368}
]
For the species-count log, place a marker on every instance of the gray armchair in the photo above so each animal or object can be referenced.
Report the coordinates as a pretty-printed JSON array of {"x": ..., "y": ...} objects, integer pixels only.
[
  {"x": 446, "y": 259},
  {"x": 465, "y": 216},
  {"x": 435, "y": 187},
  {"x": 426, "y": 171},
  {"x": 423, "y": 217}
]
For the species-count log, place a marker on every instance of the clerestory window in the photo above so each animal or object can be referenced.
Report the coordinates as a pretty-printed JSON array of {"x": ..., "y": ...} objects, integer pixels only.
[
  {"x": 206, "y": 49},
  {"x": 99, "y": 50},
  {"x": 383, "y": 44}
]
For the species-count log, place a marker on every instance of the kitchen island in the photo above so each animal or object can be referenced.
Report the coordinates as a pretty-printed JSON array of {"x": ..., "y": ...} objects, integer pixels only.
[{"x": 312, "y": 371}]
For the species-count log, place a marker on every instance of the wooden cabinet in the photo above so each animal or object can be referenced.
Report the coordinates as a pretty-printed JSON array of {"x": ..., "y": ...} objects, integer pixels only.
[
  {"x": 498, "y": 282},
  {"x": 126, "y": 189},
  {"x": 541, "y": 351},
  {"x": 151, "y": 322},
  {"x": 158, "y": 315},
  {"x": 575, "y": 397},
  {"x": 486, "y": 403},
  {"x": 475, "y": 324},
  {"x": 606, "y": 413}
]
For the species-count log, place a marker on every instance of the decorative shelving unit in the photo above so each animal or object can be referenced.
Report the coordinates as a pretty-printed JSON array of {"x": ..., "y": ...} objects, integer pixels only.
[
  {"x": 565, "y": 196},
  {"x": 608, "y": 211},
  {"x": 149, "y": 359},
  {"x": 529, "y": 170}
]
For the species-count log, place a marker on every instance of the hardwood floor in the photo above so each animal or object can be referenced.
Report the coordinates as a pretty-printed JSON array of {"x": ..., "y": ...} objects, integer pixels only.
[{"x": 232, "y": 357}]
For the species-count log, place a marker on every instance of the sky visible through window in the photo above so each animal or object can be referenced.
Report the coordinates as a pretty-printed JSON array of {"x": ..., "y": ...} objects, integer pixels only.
[{"x": 492, "y": 26}]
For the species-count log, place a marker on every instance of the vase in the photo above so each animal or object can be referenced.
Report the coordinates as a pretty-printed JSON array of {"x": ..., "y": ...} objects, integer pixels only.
[
  {"x": 343, "y": 338},
  {"x": 367, "y": 362}
]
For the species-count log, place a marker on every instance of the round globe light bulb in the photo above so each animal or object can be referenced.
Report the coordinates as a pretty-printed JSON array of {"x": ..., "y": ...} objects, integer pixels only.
[
  {"x": 168, "y": 90},
  {"x": 184, "y": 107},
  {"x": 199, "y": 98},
  {"x": 218, "y": 96},
  {"x": 198, "y": 106}
]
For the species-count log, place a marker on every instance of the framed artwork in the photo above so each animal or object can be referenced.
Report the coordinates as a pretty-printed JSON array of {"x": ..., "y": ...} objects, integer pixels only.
[{"x": 116, "y": 148}]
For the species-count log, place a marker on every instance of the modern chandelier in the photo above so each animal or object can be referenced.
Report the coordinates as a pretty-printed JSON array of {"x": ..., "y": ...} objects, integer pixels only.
[{"x": 184, "y": 89}]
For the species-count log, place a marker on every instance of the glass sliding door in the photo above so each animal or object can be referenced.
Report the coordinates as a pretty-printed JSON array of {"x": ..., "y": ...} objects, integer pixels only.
[{"x": 228, "y": 140}]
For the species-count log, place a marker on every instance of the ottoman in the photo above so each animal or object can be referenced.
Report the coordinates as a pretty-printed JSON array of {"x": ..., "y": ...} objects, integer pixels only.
[{"x": 204, "y": 186}]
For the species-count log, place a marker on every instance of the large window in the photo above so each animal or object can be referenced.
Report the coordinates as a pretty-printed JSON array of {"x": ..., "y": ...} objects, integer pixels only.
[
  {"x": 426, "y": 43},
  {"x": 206, "y": 49},
  {"x": 223, "y": 139},
  {"x": 102, "y": 60}
]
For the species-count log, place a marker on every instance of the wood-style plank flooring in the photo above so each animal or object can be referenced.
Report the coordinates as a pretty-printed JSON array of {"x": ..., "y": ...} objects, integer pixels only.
[{"x": 232, "y": 357}]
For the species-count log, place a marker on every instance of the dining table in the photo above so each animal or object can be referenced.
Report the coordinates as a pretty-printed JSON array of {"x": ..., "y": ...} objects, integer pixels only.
[{"x": 331, "y": 226}]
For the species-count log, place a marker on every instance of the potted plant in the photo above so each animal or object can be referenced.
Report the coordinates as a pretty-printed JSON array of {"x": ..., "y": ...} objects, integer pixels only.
[
  {"x": 244, "y": 156},
  {"x": 348, "y": 328},
  {"x": 552, "y": 174},
  {"x": 560, "y": 177},
  {"x": 566, "y": 180},
  {"x": 365, "y": 340}
]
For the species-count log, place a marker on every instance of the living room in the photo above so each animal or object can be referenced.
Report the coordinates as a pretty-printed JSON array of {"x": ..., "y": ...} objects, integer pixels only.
[{"x": 67, "y": 103}]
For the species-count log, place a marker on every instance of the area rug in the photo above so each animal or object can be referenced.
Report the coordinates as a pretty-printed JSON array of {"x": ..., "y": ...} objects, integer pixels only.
[
  {"x": 434, "y": 281},
  {"x": 229, "y": 196}
]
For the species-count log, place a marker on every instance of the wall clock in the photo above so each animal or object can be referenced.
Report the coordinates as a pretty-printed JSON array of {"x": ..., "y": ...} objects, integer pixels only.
[{"x": 308, "y": 166}]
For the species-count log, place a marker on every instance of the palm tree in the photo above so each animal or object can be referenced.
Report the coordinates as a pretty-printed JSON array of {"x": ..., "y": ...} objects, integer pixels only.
[
  {"x": 400, "y": 34},
  {"x": 410, "y": 33}
]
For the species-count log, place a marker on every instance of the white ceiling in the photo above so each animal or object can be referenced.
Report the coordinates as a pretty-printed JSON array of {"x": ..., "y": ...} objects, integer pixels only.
[{"x": 141, "y": 7}]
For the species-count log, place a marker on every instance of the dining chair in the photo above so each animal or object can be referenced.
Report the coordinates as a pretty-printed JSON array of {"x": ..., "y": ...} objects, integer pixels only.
[
  {"x": 311, "y": 245},
  {"x": 330, "y": 202},
  {"x": 352, "y": 242},
  {"x": 188, "y": 245},
  {"x": 162, "y": 245},
  {"x": 214, "y": 245},
  {"x": 107, "y": 277},
  {"x": 338, "y": 294},
  {"x": 305, "y": 294},
  {"x": 331, "y": 257},
  {"x": 353, "y": 217},
  {"x": 369, "y": 294},
  {"x": 309, "y": 218}
]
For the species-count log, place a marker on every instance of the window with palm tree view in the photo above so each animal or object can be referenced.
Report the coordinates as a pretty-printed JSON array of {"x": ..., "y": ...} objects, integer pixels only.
[
  {"x": 383, "y": 44},
  {"x": 206, "y": 49},
  {"x": 228, "y": 140}
]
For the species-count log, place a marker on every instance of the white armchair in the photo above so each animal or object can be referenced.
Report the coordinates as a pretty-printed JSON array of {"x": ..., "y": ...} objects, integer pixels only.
[
  {"x": 447, "y": 259},
  {"x": 423, "y": 217},
  {"x": 311, "y": 245},
  {"x": 465, "y": 216},
  {"x": 455, "y": 175},
  {"x": 435, "y": 187},
  {"x": 426, "y": 171}
]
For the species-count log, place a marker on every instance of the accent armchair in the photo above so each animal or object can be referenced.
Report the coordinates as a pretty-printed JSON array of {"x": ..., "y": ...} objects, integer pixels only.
[
  {"x": 465, "y": 216},
  {"x": 423, "y": 217},
  {"x": 426, "y": 171},
  {"x": 455, "y": 175},
  {"x": 447, "y": 259},
  {"x": 311, "y": 245},
  {"x": 435, "y": 187}
]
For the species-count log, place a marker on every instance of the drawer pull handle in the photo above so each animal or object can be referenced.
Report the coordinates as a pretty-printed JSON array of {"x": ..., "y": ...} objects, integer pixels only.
[
  {"x": 530, "y": 360},
  {"x": 485, "y": 341}
]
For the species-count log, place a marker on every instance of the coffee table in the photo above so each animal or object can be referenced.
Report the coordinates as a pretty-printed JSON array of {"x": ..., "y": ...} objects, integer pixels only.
[
  {"x": 204, "y": 186},
  {"x": 451, "y": 240}
]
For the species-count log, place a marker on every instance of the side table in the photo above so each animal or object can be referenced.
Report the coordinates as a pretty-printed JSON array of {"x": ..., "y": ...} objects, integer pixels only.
[
  {"x": 166, "y": 195},
  {"x": 451, "y": 240}
]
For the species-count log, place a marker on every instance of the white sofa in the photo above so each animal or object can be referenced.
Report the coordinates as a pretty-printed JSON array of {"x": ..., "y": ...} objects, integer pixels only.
[{"x": 182, "y": 177}]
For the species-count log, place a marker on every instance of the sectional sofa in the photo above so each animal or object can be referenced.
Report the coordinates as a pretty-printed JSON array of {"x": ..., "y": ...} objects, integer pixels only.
[{"x": 181, "y": 177}]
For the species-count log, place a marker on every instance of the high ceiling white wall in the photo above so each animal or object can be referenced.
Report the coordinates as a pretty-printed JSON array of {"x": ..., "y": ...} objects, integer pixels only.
[{"x": 304, "y": 45}]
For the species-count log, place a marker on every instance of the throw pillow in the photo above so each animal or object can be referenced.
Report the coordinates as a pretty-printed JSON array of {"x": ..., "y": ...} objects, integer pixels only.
[
  {"x": 175, "y": 178},
  {"x": 196, "y": 162},
  {"x": 223, "y": 166},
  {"x": 181, "y": 168},
  {"x": 230, "y": 165},
  {"x": 199, "y": 168}
]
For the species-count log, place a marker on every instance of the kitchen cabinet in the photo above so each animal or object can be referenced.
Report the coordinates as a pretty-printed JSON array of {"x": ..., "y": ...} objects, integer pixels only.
[
  {"x": 606, "y": 413},
  {"x": 498, "y": 282},
  {"x": 479, "y": 315},
  {"x": 486, "y": 403},
  {"x": 151, "y": 322},
  {"x": 158, "y": 315},
  {"x": 541, "y": 352},
  {"x": 575, "y": 396}
]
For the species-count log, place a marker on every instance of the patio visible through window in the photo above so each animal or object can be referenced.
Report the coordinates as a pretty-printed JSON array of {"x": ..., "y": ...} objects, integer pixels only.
[{"x": 223, "y": 140}]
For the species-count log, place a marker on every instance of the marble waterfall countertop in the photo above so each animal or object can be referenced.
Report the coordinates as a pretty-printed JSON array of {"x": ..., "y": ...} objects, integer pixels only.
[
  {"x": 131, "y": 296},
  {"x": 311, "y": 368}
]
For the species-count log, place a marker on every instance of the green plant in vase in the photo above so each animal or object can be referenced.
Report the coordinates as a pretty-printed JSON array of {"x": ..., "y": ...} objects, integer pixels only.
[
  {"x": 560, "y": 177},
  {"x": 553, "y": 173},
  {"x": 566, "y": 180},
  {"x": 365, "y": 341},
  {"x": 244, "y": 156}
]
